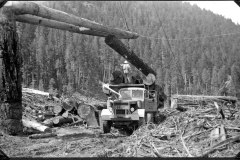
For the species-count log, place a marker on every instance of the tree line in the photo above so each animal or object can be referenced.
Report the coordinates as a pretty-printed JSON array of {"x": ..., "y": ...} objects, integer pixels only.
[{"x": 197, "y": 58}]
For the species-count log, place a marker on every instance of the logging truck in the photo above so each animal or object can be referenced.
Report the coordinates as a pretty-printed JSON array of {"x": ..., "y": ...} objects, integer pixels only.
[
  {"x": 134, "y": 106},
  {"x": 135, "y": 103}
]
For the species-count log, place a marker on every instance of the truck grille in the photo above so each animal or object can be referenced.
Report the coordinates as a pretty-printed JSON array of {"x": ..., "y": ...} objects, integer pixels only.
[{"x": 120, "y": 111}]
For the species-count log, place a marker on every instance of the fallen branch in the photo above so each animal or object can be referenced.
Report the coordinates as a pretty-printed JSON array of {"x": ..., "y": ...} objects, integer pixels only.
[
  {"x": 223, "y": 133},
  {"x": 232, "y": 128},
  {"x": 185, "y": 147},
  {"x": 207, "y": 110},
  {"x": 45, "y": 135},
  {"x": 219, "y": 145},
  {"x": 200, "y": 132},
  {"x": 156, "y": 151},
  {"x": 208, "y": 116}
]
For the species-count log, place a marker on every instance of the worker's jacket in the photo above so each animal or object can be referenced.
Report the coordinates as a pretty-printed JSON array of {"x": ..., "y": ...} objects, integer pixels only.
[{"x": 126, "y": 68}]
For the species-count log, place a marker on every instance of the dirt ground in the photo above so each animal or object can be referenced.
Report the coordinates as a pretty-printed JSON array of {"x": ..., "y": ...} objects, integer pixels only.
[
  {"x": 79, "y": 141},
  {"x": 180, "y": 134},
  {"x": 70, "y": 142}
]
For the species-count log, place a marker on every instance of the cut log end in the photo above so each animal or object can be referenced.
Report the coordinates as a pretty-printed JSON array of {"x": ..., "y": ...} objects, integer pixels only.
[
  {"x": 109, "y": 39},
  {"x": 83, "y": 110},
  {"x": 48, "y": 130},
  {"x": 69, "y": 104},
  {"x": 57, "y": 109}
]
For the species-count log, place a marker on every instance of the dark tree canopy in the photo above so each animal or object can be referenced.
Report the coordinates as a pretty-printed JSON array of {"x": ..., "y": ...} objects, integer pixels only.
[{"x": 61, "y": 61}]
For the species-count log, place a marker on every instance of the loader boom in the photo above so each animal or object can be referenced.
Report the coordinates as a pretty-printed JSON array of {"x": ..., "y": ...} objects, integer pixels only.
[{"x": 116, "y": 44}]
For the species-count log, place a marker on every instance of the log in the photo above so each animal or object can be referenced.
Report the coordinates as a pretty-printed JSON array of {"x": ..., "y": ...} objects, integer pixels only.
[
  {"x": 35, "y": 125},
  {"x": 181, "y": 109},
  {"x": 91, "y": 118},
  {"x": 34, "y": 91},
  {"x": 2, "y": 3},
  {"x": 61, "y": 120},
  {"x": 69, "y": 104},
  {"x": 22, "y": 7},
  {"x": 43, "y": 135},
  {"x": 48, "y": 116},
  {"x": 49, "y": 122},
  {"x": 202, "y": 98},
  {"x": 83, "y": 110},
  {"x": 57, "y": 109},
  {"x": 77, "y": 120},
  {"x": 113, "y": 42},
  {"x": 57, "y": 25},
  {"x": 188, "y": 104}
]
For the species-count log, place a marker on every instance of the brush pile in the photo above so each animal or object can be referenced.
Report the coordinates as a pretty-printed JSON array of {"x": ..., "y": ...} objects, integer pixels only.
[{"x": 201, "y": 127}]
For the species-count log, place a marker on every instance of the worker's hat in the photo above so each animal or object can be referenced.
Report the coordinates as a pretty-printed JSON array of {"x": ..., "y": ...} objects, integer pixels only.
[
  {"x": 150, "y": 79},
  {"x": 125, "y": 62}
]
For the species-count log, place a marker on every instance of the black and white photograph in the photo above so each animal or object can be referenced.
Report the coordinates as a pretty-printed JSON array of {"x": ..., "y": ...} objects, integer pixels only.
[{"x": 97, "y": 79}]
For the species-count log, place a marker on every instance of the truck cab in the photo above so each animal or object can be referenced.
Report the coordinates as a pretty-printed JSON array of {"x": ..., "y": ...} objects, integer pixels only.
[{"x": 131, "y": 108}]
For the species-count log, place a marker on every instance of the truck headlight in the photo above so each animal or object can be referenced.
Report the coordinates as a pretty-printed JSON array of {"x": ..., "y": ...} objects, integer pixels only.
[{"x": 132, "y": 109}]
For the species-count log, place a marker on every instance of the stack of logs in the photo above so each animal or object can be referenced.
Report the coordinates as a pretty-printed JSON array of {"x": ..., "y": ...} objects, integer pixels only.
[{"x": 42, "y": 112}]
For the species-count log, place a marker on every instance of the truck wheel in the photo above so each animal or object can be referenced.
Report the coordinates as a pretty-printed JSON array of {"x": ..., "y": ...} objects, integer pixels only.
[
  {"x": 106, "y": 127},
  {"x": 149, "y": 117},
  {"x": 141, "y": 121}
]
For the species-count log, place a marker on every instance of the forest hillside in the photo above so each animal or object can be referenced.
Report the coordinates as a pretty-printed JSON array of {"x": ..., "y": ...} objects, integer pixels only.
[{"x": 204, "y": 48}]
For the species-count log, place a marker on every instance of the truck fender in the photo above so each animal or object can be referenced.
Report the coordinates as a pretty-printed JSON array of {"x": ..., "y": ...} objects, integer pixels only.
[
  {"x": 140, "y": 112},
  {"x": 105, "y": 114}
]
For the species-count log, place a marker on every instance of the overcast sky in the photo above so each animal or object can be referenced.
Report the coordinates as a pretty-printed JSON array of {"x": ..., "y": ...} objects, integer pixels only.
[{"x": 228, "y": 9}]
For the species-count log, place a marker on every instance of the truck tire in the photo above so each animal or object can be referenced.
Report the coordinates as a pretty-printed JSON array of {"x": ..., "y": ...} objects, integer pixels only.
[
  {"x": 149, "y": 117},
  {"x": 106, "y": 127},
  {"x": 141, "y": 121}
]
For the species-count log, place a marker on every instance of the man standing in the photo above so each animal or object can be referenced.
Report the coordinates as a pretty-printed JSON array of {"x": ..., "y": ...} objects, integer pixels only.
[{"x": 126, "y": 70}]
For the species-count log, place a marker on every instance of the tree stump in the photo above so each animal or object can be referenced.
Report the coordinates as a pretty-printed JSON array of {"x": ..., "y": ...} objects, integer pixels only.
[{"x": 11, "y": 91}]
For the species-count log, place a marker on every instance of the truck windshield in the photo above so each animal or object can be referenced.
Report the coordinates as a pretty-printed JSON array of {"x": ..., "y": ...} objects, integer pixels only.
[
  {"x": 126, "y": 94},
  {"x": 137, "y": 94}
]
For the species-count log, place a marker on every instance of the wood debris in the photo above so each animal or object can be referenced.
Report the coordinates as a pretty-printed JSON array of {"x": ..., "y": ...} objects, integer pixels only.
[{"x": 198, "y": 131}]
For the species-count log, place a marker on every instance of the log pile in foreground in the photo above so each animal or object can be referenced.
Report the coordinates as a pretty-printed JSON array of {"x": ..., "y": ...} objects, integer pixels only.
[
  {"x": 42, "y": 111},
  {"x": 198, "y": 131}
]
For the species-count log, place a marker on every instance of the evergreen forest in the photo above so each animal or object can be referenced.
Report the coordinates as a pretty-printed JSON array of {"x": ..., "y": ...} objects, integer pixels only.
[{"x": 201, "y": 52}]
